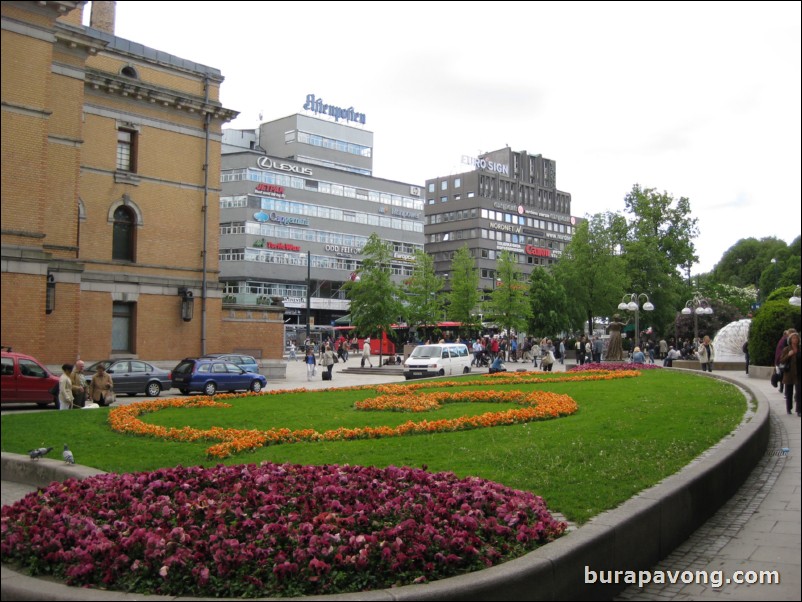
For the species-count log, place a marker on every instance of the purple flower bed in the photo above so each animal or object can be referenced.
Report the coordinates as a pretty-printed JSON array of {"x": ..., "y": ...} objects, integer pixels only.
[
  {"x": 614, "y": 366},
  {"x": 270, "y": 530}
]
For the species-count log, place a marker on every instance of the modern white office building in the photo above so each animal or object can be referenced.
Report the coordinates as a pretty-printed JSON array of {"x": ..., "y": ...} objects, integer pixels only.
[{"x": 298, "y": 203}]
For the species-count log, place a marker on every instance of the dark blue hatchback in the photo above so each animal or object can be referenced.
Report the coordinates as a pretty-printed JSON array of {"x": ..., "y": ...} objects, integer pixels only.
[{"x": 212, "y": 375}]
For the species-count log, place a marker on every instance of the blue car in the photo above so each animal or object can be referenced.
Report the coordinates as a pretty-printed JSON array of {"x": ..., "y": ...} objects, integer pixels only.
[{"x": 210, "y": 375}]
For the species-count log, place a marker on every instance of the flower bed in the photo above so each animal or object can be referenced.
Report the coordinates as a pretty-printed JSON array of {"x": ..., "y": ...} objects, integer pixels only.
[{"x": 270, "y": 530}]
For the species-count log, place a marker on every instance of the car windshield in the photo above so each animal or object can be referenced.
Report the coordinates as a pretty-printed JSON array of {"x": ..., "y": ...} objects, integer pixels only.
[{"x": 426, "y": 351}]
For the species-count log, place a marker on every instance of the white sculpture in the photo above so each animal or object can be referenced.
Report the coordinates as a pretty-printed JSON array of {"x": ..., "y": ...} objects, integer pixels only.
[{"x": 730, "y": 340}]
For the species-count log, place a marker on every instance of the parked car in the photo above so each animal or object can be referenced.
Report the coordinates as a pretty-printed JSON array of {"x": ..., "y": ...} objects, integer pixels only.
[
  {"x": 210, "y": 375},
  {"x": 26, "y": 380},
  {"x": 134, "y": 376},
  {"x": 246, "y": 362}
]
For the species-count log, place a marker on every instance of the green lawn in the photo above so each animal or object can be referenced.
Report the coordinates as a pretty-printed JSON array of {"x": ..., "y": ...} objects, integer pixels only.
[{"x": 627, "y": 435}]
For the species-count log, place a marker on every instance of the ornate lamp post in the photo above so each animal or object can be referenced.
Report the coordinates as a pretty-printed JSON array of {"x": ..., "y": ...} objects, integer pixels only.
[
  {"x": 634, "y": 305},
  {"x": 699, "y": 306},
  {"x": 795, "y": 300}
]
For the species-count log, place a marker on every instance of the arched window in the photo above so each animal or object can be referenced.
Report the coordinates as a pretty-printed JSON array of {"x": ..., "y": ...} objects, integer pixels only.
[{"x": 123, "y": 244}]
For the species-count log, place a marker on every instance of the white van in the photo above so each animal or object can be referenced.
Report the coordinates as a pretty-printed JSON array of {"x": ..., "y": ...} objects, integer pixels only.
[{"x": 446, "y": 359}]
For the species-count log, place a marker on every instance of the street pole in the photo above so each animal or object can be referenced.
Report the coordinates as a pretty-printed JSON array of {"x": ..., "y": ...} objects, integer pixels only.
[{"x": 308, "y": 290}]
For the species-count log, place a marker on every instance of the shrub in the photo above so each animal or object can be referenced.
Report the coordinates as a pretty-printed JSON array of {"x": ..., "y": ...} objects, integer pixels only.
[{"x": 774, "y": 316}]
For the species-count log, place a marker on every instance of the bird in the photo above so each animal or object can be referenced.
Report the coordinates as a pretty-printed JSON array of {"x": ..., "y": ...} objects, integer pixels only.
[
  {"x": 67, "y": 455},
  {"x": 39, "y": 452}
]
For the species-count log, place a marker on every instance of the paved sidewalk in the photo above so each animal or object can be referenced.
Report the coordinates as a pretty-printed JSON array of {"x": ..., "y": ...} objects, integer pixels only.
[{"x": 759, "y": 529}]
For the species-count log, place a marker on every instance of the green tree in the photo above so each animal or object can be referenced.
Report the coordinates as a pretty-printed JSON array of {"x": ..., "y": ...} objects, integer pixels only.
[
  {"x": 375, "y": 298},
  {"x": 464, "y": 295},
  {"x": 592, "y": 271},
  {"x": 548, "y": 302},
  {"x": 424, "y": 299},
  {"x": 659, "y": 243},
  {"x": 747, "y": 260},
  {"x": 508, "y": 306}
]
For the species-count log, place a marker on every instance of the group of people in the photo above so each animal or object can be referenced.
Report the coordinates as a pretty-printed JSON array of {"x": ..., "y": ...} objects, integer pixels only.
[
  {"x": 74, "y": 391},
  {"x": 328, "y": 356}
]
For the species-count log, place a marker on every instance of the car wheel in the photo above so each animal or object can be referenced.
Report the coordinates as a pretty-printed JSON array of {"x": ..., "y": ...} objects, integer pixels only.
[
  {"x": 210, "y": 388},
  {"x": 154, "y": 389},
  {"x": 442, "y": 372},
  {"x": 256, "y": 386},
  {"x": 465, "y": 370},
  {"x": 184, "y": 391}
]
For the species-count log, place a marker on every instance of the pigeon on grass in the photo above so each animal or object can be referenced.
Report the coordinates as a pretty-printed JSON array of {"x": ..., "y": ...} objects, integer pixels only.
[
  {"x": 67, "y": 455},
  {"x": 39, "y": 452}
]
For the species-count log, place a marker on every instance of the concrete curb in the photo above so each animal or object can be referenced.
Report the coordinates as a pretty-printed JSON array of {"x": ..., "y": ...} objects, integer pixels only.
[{"x": 632, "y": 537}]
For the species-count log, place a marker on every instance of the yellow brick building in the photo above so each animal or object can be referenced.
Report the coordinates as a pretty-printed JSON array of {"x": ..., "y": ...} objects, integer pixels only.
[{"x": 110, "y": 194}]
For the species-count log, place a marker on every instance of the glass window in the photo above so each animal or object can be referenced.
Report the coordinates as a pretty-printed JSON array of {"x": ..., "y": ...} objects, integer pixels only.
[
  {"x": 123, "y": 238},
  {"x": 126, "y": 150},
  {"x": 122, "y": 323}
]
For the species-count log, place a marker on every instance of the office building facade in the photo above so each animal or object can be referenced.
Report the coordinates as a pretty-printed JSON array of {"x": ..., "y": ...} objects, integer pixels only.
[
  {"x": 505, "y": 201},
  {"x": 298, "y": 203}
]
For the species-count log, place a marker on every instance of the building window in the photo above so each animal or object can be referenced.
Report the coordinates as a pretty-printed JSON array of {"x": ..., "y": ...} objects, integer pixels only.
[
  {"x": 122, "y": 328},
  {"x": 123, "y": 241},
  {"x": 126, "y": 150}
]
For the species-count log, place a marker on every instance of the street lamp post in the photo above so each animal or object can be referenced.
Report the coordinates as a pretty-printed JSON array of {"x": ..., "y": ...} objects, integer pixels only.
[
  {"x": 699, "y": 306},
  {"x": 634, "y": 305}
]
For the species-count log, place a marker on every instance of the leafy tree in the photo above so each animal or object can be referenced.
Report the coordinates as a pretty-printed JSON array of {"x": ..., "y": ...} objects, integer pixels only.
[
  {"x": 375, "y": 298},
  {"x": 658, "y": 244},
  {"x": 464, "y": 295},
  {"x": 591, "y": 269},
  {"x": 425, "y": 302},
  {"x": 548, "y": 302},
  {"x": 508, "y": 305},
  {"x": 748, "y": 259}
]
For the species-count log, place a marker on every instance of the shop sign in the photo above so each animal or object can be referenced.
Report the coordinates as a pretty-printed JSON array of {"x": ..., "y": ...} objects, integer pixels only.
[
  {"x": 271, "y": 190},
  {"x": 486, "y": 165},
  {"x": 284, "y": 220},
  {"x": 537, "y": 251},
  {"x": 317, "y": 106},
  {"x": 268, "y": 163},
  {"x": 506, "y": 227}
]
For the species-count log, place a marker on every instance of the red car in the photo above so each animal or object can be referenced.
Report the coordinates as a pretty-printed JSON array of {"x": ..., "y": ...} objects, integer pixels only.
[{"x": 26, "y": 380}]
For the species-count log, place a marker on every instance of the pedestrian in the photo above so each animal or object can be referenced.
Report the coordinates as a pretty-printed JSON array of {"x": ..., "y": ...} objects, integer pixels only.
[
  {"x": 79, "y": 386},
  {"x": 638, "y": 357},
  {"x": 328, "y": 360},
  {"x": 598, "y": 347},
  {"x": 706, "y": 354},
  {"x": 547, "y": 362},
  {"x": 66, "y": 401},
  {"x": 366, "y": 352},
  {"x": 310, "y": 363},
  {"x": 778, "y": 351},
  {"x": 293, "y": 355},
  {"x": 745, "y": 349},
  {"x": 790, "y": 361},
  {"x": 561, "y": 351},
  {"x": 100, "y": 388}
]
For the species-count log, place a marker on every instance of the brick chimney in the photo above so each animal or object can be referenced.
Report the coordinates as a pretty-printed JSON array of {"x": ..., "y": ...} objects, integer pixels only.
[{"x": 102, "y": 16}]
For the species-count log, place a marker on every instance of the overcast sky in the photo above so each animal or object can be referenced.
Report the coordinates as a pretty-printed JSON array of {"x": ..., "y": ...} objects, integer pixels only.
[{"x": 698, "y": 99}]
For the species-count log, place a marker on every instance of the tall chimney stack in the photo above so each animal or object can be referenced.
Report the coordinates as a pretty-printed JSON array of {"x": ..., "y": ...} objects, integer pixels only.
[{"x": 102, "y": 16}]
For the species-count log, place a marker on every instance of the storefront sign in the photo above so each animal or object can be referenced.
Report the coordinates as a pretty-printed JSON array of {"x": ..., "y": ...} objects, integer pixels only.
[
  {"x": 505, "y": 227},
  {"x": 271, "y": 190},
  {"x": 317, "y": 106},
  {"x": 342, "y": 249},
  {"x": 537, "y": 251},
  {"x": 486, "y": 165},
  {"x": 268, "y": 163},
  {"x": 284, "y": 220},
  {"x": 509, "y": 246}
]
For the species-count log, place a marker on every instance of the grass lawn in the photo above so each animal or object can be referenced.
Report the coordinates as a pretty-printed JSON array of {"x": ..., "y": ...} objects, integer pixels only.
[{"x": 627, "y": 435}]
